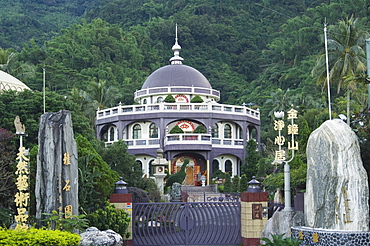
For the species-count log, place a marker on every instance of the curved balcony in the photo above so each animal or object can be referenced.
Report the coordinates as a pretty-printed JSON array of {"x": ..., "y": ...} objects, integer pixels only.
[
  {"x": 178, "y": 107},
  {"x": 188, "y": 140}
]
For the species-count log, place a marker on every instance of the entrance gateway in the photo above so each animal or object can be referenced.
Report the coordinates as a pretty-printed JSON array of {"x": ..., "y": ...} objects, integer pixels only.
[{"x": 196, "y": 223}]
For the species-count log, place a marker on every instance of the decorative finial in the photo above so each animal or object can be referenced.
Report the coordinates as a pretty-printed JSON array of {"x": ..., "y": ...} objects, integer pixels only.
[{"x": 176, "y": 59}]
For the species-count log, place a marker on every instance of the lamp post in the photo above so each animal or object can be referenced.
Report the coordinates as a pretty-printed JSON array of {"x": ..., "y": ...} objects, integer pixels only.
[
  {"x": 280, "y": 154},
  {"x": 120, "y": 187},
  {"x": 160, "y": 165},
  {"x": 254, "y": 186}
]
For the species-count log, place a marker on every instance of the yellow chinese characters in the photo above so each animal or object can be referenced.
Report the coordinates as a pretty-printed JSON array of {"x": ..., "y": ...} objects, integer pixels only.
[
  {"x": 22, "y": 196},
  {"x": 66, "y": 159}
]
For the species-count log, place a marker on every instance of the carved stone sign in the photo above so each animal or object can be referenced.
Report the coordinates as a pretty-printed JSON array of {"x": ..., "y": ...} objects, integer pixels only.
[
  {"x": 57, "y": 166},
  {"x": 257, "y": 211}
]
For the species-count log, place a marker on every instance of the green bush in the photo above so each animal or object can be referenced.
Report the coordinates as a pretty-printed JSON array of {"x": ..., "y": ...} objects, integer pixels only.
[
  {"x": 38, "y": 237},
  {"x": 109, "y": 217},
  {"x": 278, "y": 240},
  {"x": 218, "y": 174},
  {"x": 236, "y": 184},
  {"x": 169, "y": 99},
  {"x": 228, "y": 184},
  {"x": 68, "y": 223},
  {"x": 196, "y": 99},
  {"x": 176, "y": 129},
  {"x": 221, "y": 188},
  {"x": 200, "y": 129}
]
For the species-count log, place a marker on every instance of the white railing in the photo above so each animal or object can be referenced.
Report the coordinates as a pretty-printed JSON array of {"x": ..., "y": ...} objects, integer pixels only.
[
  {"x": 175, "y": 107},
  {"x": 178, "y": 89},
  {"x": 186, "y": 138}
]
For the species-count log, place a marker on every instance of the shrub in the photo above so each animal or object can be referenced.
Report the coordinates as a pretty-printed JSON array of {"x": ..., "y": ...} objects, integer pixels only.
[
  {"x": 38, "y": 237},
  {"x": 60, "y": 222},
  {"x": 196, "y": 99},
  {"x": 109, "y": 217},
  {"x": 243, "y": 184},
  {"x": 278, "y": 240},
  {"x": 176, "y": 129},
  {"x": 228, "y": 184},
  {"x": 200, "y": 129},
  {"x": 235, "y": 184},
  {"x": 169, "y": 99},
  {"x": 221, "y": 188},
  {"x": 218, "y": 174}
]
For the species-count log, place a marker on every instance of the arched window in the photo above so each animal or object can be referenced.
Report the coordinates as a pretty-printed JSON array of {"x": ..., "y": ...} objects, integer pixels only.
[
  {"x": 159, "y": 99},
  {"x": 215, "y": 166},
  {"x": 144, "y": 101},
  {"x": 227, "y": 131},
  {"x": 151, "y": 168},
  {"x": 111, "y": 133},
  {"x": 228, "y": 167},
  {"x": 239, "y": 132},
  {"x": 215, "y": 131},
  {"x": 136, "y": 131},
  {"x": 139, "y": 165},
  {"x": 153, "y": 131}
]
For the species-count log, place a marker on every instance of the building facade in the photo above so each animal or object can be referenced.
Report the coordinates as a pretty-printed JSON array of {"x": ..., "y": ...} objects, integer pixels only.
[{"x": 213, "y": 135}]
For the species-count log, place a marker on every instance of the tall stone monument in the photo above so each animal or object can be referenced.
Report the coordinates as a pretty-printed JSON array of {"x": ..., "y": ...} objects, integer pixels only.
[
  {"x": 57, "y": 166},
  {"x": 337, "y": 190}
]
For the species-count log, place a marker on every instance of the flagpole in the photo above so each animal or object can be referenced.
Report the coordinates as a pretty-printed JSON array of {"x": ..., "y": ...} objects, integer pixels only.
[
  {"x": 43, "y": 87},
  {"x": 327, "y": 67}
]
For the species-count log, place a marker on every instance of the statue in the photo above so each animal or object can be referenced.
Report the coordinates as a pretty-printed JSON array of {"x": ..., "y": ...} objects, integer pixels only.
[
  {"x": 175, "y": 192},
  {"x": 19, "y": 127}
]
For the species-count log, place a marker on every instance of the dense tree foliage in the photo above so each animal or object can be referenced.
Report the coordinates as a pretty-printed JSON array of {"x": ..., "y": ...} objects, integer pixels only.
[{"x": 258, "y": 53}]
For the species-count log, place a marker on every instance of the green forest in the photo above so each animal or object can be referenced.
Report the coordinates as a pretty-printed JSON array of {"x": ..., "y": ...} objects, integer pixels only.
[{"x": 267, "y": 54}]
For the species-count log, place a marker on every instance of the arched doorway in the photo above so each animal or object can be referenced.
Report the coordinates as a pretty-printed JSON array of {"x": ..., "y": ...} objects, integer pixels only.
[{"x": 194, "y": 170}]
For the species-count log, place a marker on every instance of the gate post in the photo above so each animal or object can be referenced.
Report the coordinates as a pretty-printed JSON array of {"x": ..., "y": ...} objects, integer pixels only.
[
  {"x": 253, "y": 218},
  {"x": 124, "y": 201}
]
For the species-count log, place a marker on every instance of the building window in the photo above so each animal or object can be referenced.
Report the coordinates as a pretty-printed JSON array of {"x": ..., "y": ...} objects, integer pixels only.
[
  {"x": 159, "y": 99},
  {"x": 215, "y": 131},
  {"x": 215, "y": 166},
  {"x": 136, "y": 131},
  {"x": 111, "y": 133},
  {"x": 144, "y": 101},
  {"x": 239, "y": 132},
  {"x": 227, "y": 131},
  {"x": 229, "y": 167},
  {"x": 151, "y": 168},
  {"x": 153, "y": 131},
  {"x": 139, "y": 166}
]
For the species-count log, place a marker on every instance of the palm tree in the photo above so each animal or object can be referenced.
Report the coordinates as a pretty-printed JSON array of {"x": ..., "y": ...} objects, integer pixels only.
[
  {"x": 346, "y": 55},
  {"x": 279, "y": 100},
  {"x": 101, "y": 94},
  {"x": 9, "y": 64}
]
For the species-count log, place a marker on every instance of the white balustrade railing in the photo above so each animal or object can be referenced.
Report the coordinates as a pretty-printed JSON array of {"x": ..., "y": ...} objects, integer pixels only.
[
  {"x": 186, "y": 138},
  {"x": 183, "y": 107}
]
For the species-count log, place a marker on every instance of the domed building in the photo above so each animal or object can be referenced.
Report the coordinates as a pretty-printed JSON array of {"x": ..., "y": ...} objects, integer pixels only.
[
  {"x": 178, "y": 111},
  {"x": 8, "y": 82}
]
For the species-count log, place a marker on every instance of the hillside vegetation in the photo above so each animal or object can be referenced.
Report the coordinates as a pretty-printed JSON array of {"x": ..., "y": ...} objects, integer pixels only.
[{"x": 265, "y": 54}]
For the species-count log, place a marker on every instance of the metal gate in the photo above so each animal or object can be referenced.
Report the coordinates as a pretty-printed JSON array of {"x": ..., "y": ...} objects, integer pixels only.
[{"x": 207, "y": 223}]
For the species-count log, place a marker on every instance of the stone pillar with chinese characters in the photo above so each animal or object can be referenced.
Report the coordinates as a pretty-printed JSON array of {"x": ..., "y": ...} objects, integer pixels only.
[
  {"x": 22, "y": 196},
  {"x": 253, "y": 216},
  {"x": 57, "y": 166}
]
